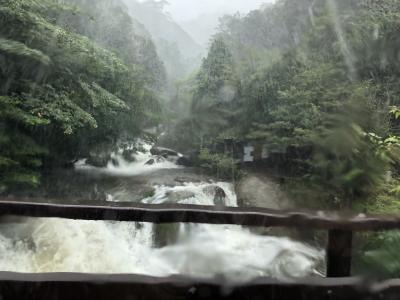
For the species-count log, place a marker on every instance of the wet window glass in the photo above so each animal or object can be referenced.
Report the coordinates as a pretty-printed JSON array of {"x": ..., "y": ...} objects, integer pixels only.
[{"x": 215, "y": 139}]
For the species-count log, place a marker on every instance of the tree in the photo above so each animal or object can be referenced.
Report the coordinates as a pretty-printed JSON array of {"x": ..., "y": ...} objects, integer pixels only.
[
  {"x": 64, "y": 89},
  {"x": 217, "y": 87}
]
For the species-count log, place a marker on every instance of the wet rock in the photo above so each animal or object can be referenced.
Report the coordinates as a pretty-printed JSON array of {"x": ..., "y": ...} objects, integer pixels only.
[
  {"x": 217, "y": 192},
  {"x": 177, "y": 196},
  {"x": 258, "y": 190},
  {"x": 129, "y": 191},
  {"x": 165, "y": 152},
  {"x": 115, "y": 162},
  {"x": 184, "y": 161},
  {"x": 129, "y": 155},
  {"x": 98, "y": 159},
  {"x": 150, "y": 162},
  {"x": 155, "y": 160}
]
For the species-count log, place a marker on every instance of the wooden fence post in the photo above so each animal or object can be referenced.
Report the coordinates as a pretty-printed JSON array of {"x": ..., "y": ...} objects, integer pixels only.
[{"x": 339, "y": 252}]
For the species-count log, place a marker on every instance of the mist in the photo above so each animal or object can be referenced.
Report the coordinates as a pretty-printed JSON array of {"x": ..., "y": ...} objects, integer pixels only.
[
  {"x": 200, "y": 18},
  {"x": 185, "y": 10}
]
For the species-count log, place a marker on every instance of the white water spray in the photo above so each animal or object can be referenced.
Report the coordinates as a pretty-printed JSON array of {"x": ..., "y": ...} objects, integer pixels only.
[
  {"x": 56, "y": 245},
  {"x": 120, "y": 167}
]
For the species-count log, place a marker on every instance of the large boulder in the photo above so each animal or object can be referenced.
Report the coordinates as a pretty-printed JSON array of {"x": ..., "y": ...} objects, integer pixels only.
[
  {"x": 259, "y": 190},
  {"x": 218, "y": 194},
  {"x": 165, "y": 152}
]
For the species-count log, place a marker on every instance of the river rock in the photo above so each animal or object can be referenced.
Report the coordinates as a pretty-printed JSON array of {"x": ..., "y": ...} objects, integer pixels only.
[
  {"x": 155, "y": 160},
  {"x": 177, "y": 196},
  {"x": 129, "y": 155},
  {"x": 98, "y": 159},
  {"x": 150, "y": 162},
  {"x": 165, "y": 152},
  {"x": 217, "y": 192},
  {"x": 115, "y": 162},
  {"x": 184, "y": 161},
  {"x": 258, "y": 190}
]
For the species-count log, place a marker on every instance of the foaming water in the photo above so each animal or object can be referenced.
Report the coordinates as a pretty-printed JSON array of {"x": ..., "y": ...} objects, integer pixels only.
[
  {"x": 56, "y": 245},
  {"x": 204, "y": 251},
  {"x": 193, "y": 193},
  {"x": 240, "y": 255},
  {"x": 118, "y": 166}
]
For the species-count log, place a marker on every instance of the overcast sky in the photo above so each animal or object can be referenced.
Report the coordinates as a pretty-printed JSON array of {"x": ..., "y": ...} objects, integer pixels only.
[{"x": 183, "y": 10}]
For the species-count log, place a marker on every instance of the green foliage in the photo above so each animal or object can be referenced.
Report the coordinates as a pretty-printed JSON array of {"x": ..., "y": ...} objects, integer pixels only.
[
  {"x": 69, "y": 85},
  {"x": 20, "y": 50},
  {"x": 348, "y": 161},
  {"x": 315, "y": 81},
  {"x": 382, "y": 259},
  {"x": 220, "y": 164},
  {"x": 216, "y": 71},
  {"x": 216, "y": 91}
]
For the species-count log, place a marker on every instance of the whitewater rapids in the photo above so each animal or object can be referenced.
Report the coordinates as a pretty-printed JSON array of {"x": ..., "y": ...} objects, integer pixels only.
[{"x": 58, "y": 245}]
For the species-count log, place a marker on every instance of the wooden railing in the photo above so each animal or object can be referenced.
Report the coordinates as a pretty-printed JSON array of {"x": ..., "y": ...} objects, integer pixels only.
[{"x": 85, "y": 286}]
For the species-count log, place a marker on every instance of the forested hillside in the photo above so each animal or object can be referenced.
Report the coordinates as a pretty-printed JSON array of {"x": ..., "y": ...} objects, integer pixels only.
[
  {"x": 74, "y": 77},
  {"x": 316, "y": 81},
  {"x": 179, "y": 52}
]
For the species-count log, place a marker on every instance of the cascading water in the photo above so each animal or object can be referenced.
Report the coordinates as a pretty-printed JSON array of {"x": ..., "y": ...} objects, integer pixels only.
[
  {"x": 56, "y": 245},
  {"x": 120, "y": 167}
]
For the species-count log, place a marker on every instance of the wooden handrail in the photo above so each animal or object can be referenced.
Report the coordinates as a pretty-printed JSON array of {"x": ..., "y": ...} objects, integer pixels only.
[
  {"x": 338, "y": 249},
  {"x": 179, "y": 213},
  {"x": 91, "y": 286}
]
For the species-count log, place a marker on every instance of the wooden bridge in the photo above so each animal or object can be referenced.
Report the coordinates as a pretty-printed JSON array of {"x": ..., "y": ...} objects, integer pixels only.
[{"x": 71, "y": 286}]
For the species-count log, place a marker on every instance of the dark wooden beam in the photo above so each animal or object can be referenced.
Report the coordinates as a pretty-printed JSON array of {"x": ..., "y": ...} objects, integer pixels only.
[
  {"x": 69, "y": 286},
  {"x": 339, "y": 253},
  {"x": 200, "y": 214}
]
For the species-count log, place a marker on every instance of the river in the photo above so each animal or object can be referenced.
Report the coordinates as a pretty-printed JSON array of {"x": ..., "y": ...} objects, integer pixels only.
[{"x": 234, "y": 252}]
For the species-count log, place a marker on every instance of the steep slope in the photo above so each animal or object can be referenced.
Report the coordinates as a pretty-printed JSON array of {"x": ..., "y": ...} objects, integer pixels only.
[
  {"x": 202, "y": 28},
  {"x": 179, "y": 52}
]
